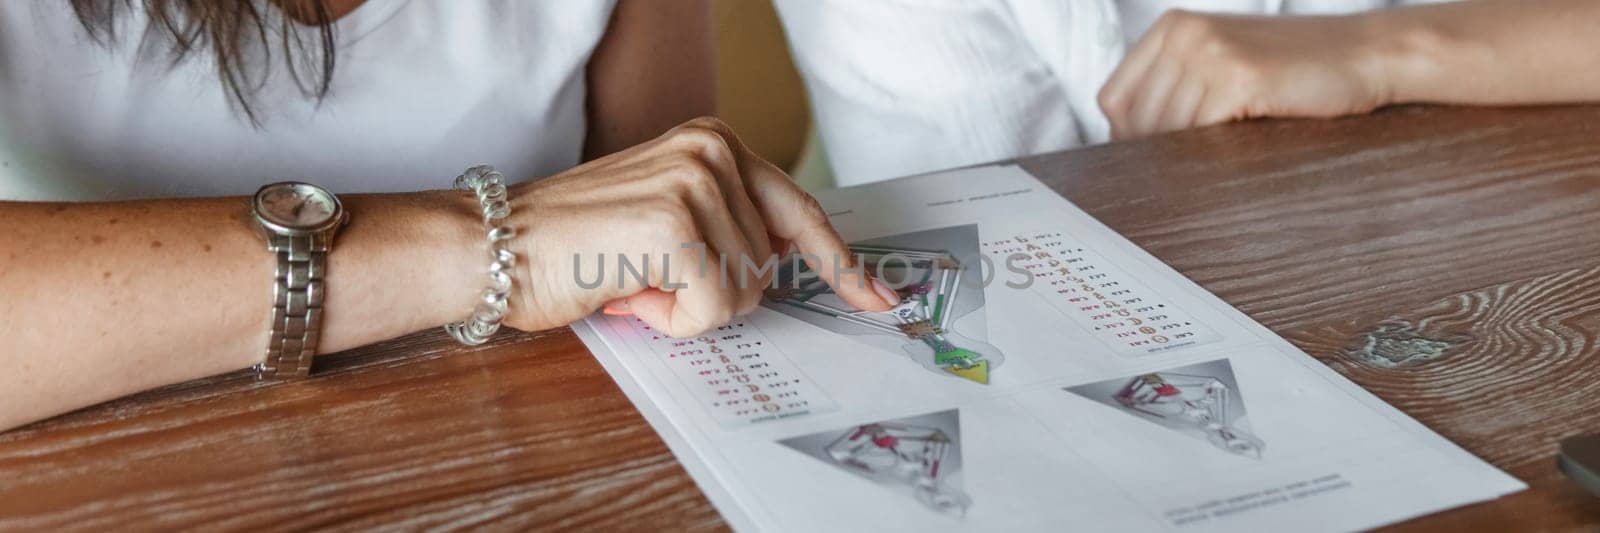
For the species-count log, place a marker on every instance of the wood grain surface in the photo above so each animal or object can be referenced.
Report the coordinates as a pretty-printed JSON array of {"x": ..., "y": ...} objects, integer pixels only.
[{"x": 1445, "y": 259}]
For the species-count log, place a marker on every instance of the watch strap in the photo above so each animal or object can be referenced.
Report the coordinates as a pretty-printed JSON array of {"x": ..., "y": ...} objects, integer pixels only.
[{"x": 297, "y": 309}]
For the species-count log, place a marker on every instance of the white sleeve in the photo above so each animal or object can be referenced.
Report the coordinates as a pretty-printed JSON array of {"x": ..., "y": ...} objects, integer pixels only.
[
  {"x": 1082, "y": 41},
  {"x": 901, "y": 87}
]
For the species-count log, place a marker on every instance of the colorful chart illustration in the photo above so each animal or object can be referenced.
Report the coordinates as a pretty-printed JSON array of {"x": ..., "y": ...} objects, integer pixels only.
[
  {"x": 1201, "y": 400},
  {"x": 921, "y": 454},
  {"x": 937, "y": 285}
]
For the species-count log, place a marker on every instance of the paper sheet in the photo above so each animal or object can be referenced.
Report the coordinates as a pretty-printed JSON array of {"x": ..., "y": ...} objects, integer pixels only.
[{"x": 1106, "y": 393}]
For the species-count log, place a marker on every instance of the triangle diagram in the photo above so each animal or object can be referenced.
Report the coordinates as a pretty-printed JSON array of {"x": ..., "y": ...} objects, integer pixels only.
[
  {"x": 939, "y": 278},
  {"x": 1200, "y": 400},
  {"x": 919, "y": 456}
]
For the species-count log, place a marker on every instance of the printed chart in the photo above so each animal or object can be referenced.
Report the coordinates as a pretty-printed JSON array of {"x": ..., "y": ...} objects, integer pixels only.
[
  {"x": 1117, "y": 309},
  {"x": 808, "y": 415},
  {"x": 738, "y": 374}
]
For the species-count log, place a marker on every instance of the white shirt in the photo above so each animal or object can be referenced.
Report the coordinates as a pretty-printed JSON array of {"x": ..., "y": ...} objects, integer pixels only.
[
  {"x": 421, "y": 90},
  {"x": 901, "y": 87}
]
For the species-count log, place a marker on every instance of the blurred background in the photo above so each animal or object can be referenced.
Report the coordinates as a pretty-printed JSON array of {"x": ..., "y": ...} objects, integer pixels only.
[{"x": 760, "y": 93}]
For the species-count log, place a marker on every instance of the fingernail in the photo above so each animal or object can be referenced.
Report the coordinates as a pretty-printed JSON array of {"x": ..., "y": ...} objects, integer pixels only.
[
  {"x": 617, "y": 308},
  {"x": 889, "y": 296}
]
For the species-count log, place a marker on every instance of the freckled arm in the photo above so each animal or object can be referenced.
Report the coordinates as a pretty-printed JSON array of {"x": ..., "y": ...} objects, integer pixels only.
[{"x": 100, "y": 300}]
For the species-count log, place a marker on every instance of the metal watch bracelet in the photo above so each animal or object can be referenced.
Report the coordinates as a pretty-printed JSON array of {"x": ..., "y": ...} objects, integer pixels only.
[{"x": 297, "y": 307}]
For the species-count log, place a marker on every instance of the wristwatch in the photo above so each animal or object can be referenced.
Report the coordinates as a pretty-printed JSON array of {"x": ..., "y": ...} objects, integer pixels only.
[{"x": 299, "y": 221}]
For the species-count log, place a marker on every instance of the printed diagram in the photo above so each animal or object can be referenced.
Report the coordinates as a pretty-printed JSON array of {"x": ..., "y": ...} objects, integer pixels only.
[
  {"x": 1201, "y": 399},
  {"x": 927, "y": 270},
  {"x": 918, "y": 453}
]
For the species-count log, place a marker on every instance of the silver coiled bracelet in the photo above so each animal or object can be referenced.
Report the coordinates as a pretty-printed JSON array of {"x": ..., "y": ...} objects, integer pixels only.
[{"x": 490, "y": 186}]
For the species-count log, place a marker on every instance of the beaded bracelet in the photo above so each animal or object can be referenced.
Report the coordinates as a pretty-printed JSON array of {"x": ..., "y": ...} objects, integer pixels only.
[{"x": 489, "y": 184}]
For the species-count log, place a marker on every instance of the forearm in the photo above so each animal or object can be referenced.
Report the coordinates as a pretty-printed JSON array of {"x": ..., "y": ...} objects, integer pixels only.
[
  {"x": 1491, "y": 52},
  {"x": 102, "y": 300},
  {"x": 654, "y": 69}
]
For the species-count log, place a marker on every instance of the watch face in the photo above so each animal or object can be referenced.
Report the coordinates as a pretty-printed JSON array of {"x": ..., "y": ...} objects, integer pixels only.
[{"x": 296, "y": 205}]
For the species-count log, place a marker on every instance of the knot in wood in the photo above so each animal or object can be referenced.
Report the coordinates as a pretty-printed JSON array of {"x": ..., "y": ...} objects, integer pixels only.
[{"x": 1397, "y": 344}]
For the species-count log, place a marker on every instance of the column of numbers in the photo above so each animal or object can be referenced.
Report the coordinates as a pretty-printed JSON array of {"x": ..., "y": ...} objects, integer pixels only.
[
  {"x": 1081, "y": 284},
  {"x": 737, "y": 373}
]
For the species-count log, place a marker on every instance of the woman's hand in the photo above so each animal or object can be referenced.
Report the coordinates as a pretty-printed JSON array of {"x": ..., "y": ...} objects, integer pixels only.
[
  {"x": 1195, "y": 70},
  {"x": 689, "y": 211}
]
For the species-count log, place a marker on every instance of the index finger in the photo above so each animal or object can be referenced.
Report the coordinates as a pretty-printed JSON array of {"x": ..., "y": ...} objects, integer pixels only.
[{"x": 795, "y": 216}]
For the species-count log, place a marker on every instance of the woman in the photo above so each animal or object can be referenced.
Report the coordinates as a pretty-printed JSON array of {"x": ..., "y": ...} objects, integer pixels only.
[
  {"x": 906, "y": 87},
  {"x": 114, "y": 99}
]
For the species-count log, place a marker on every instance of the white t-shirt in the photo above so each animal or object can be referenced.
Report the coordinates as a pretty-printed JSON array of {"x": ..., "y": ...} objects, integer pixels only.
[
  {"x": 421, "y": 90},
  {"x": 901, "y": 87}
]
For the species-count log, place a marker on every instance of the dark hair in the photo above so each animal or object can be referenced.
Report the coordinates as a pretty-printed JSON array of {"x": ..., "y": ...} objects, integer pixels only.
[{"x": 229, "y": 28}]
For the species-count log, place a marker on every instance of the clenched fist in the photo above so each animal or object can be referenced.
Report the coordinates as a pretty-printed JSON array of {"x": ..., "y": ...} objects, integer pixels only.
[
  {"x": 697, "y": 206},
  {"x": 1195, "y": 70}
]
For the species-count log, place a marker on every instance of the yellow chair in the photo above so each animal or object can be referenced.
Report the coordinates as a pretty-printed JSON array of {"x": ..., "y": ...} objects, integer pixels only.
[{"x": 760, "y": 92}]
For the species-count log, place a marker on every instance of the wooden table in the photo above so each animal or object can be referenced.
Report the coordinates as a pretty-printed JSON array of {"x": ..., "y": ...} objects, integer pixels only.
[{"x": 1448, "y": 260}]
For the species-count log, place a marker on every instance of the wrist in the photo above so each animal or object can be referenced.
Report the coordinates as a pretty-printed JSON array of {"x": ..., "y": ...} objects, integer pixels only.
[
  {"x": 459, "y": 258},
  {"x": 461, "y": 261},
  {"x": 525, "y": 313},
  {"x": 405, "y": 263},
  {"x": 1404, "y": 56}
]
